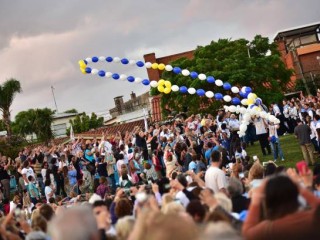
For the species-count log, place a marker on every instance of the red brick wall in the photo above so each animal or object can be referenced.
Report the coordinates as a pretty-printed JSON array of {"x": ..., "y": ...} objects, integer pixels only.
[
  {"x": 310, "y": 63},
  {"x": 156, "y": 75}
]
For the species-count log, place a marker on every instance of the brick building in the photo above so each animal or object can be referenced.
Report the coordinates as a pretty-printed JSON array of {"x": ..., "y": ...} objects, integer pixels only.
[
  {"x": 156, "y": 75},
  {"x": 300, "y": 51}
]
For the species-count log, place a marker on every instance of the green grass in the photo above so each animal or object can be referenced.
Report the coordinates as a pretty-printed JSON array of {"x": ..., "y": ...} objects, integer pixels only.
[{"x": 290, "y": 147}]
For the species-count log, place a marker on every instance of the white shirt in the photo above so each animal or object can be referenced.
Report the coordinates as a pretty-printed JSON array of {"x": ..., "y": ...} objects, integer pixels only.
[
  {"x": 28, "y": 172},
  {"x": 260, "y": 126},
  {"x": 215, "y": 179},
  {"x": 273, "y": 130},
  {"x": 234, "y": 124},
  {"x": 62, "y": 164},
  {"x": 47, "y": 191}
]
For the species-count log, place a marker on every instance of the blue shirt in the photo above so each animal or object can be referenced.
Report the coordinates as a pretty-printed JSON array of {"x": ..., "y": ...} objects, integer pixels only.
[
  {"x": 90, "y": 158},
  {"x": 193, "y": 166}
]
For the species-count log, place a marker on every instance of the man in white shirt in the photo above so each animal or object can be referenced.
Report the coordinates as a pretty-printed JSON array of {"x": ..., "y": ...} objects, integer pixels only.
[
  {"x": 26, "y": 172},
  {"x": 262, "y": 135},
  {"x": 215, "y": 178}
]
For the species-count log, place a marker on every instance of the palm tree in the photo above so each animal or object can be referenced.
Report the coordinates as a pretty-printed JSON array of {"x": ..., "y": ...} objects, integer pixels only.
[{"x": 8, "y": 90}]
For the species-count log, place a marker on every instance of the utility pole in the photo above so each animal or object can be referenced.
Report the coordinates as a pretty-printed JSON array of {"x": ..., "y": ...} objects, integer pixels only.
[{"x": 54, "y": 99}]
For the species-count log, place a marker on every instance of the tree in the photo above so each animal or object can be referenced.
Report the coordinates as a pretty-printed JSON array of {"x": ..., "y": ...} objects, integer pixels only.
[
  {"x": 37, "y": 121},
  {"x": 239, "y": 62},
  {"x": 8, "y": 91},
  {"x": 2, "y": 126},
  {"x": 83, "y": 123}
]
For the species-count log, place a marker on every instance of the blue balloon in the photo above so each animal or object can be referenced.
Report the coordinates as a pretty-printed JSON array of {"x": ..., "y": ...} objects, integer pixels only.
[
  {"x": 243, "y": 95},
  {"x": 201, "y": 92},
  {"x": 183, "y": 89},
  {"x": 226, "y": 86},
  {"x": 210, "y": 79},
  {"x": 101, "y": 73},
  {"x": 145, "y": 82},
  {"x": 124, "y": 61},
  {"x": 109, "y": 59},
  {"x": 218, "y": 96},
  {"x": 193, "y": 75},
  {"x": 88, "y": 70},
  {"x": 235, "y": 101},
  {"x": 140, "y": 64},
  {"x": 248, "y": 90},
  {"x": 176, "y": 70},
  {"x": 85, "y": 61},
  {"x": 130, "y": 79},
  {"x": 258, "y": 101},
  {"x": 95, "y": 59},
  {"x": 115, "y": 76}
]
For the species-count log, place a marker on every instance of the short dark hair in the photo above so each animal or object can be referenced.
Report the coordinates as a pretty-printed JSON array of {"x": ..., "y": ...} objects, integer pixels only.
[
  {"x": 30, "y": 178},
  {"x": 46, "y": 211},
  {"x": 99, "y": 203},
  {"x": 196, "y": 209},
  {"x": 215, "y": 156},
  {"x": 209, "y": 144}
]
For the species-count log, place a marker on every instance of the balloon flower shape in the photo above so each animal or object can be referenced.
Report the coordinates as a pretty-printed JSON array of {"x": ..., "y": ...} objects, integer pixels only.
[
  {"x": 254, "y": 109},
  {"x": 164, "y": 86}
]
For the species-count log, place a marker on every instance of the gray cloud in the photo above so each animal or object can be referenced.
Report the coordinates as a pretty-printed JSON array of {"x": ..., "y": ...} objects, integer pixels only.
[{"x": 42, "y": 41}]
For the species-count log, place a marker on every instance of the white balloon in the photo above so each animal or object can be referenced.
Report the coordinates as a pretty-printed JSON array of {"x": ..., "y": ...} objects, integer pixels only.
[
  {"x": 116, "y": 59},
  {"x": 243, "y": 89},
  {"x": 246, "y": 117},
  {"x": 202, "y": 76},
  {"x": 235, "y": 89},
  {"x": 243, "y": 128},
  {"x": 209, "y": 94},
  {"x": 227, "y": 98},
  {"x": 232, "y": 108},
  {"x": 243, "y": 110},
  {"x": 175, "y": 88},
  {"x": 168, "y": 68},
  {"x": 94, "y": 71},
  {"x": 123, "y": 77},
  {"x": 108, "y": 74},
  {"x": 138, "y": 80},
  {"x": 185, "y": 72},
  {"x": 154, "y": 84},
  {"x": 148, "y": 64},
  {"x": 191, "y": 91},
  {"x": 132, "y": 62},
  {"x": 89, "y": 60},
  {"x": 251, "y": 96},
  {"x": 244, "y": 102},
  {"x": 102, "y": 58},
  {"x": 218, "y": 82}
]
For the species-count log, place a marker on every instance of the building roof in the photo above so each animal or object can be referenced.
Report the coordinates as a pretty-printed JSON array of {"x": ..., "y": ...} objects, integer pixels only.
[
  {"x": 113, "y": 129},
  {"x": 64, "y": 115},
  {"x": 300, "y": 30}
]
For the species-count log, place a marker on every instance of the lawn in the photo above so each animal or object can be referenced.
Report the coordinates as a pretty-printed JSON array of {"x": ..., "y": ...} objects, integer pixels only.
[{"x": 290, "y": 147}]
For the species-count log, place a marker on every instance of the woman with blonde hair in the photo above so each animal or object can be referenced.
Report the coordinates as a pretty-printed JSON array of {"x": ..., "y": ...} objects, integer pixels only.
[{"x": 124, "y": 227}]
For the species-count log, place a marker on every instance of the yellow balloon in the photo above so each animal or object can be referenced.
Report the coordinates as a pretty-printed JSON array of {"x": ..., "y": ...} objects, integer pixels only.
[
  {"x": 82, "y": 64},
  {"x": 250, "y": 101},
  {"x": 167, "y": 84},
  {"x": 161, "y": 66},
  {"x": 160, "y": 88},
  {"x": 167, "y": 90},
  {"x": 83, "y": 70},
  {"x": 161, "y": 82},
  {"x": 154, "y": 65}
]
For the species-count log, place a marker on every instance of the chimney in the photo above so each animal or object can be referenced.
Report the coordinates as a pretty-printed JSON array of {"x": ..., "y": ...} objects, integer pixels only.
[
  {"x": 133, "y": 96},
  {"x": 118, "y": 101}
]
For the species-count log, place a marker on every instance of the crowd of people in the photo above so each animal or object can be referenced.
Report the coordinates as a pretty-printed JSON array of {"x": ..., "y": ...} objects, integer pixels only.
[{"x": 190, "y": 178}]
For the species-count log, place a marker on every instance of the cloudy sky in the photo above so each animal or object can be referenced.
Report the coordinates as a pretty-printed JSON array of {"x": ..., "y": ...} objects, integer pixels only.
[{"x": 42, "y": 41}]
